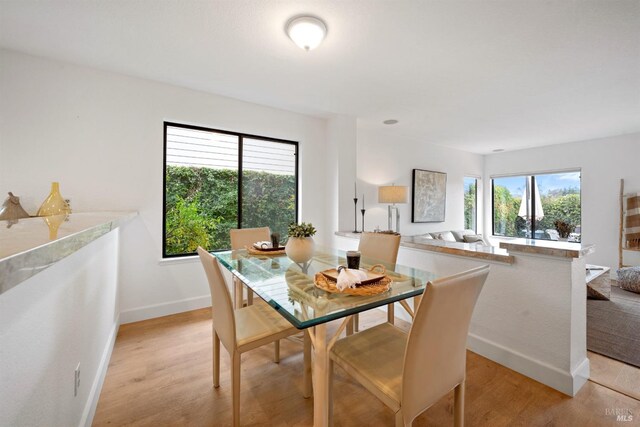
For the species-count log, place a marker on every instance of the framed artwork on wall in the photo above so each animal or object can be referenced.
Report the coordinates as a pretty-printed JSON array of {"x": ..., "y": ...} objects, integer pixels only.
[{"x": 429, "y": 196}]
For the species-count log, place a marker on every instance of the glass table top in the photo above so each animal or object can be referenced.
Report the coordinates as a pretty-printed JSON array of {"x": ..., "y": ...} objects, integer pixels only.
[{"x": 289, "y": 287}]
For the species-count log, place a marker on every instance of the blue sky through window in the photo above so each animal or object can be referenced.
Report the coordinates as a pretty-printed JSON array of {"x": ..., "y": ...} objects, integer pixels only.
[{"x": 546, "y": 182}]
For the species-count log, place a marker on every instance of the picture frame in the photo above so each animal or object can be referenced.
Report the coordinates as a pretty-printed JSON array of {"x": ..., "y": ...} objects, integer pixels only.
[{"x": 428, "y": 196}]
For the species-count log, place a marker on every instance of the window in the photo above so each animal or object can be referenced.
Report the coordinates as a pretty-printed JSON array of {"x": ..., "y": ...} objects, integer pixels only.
[
  {"x": 543, "y": 206},
  {"x": 217, "y": 180},
  {"x": 470, "y": 203}
]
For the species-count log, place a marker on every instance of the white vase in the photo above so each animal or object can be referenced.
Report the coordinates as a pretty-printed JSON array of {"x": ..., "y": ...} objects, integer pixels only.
[{"x": 300, "y": 249}]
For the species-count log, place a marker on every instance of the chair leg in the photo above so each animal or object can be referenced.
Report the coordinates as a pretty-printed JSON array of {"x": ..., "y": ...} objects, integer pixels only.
[
  {"x": 458, "y": 405},
  {"x": 391, "y": 313},
  {"x": 307, "y": 387},
  {"x": 276, "y": 351},
  {"x": 216, "y": 359},
  {"x": 400, "y": 420},
  {"x": 237, "y": 293},
  {"x": 235, "y": 388}
]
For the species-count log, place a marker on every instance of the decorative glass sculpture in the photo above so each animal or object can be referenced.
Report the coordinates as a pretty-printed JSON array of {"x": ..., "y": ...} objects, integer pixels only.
[{"x": 54, "y": 204}]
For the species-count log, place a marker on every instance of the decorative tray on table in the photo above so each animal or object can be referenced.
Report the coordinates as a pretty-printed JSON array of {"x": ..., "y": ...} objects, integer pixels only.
[
  {"x": 375, "y": 283},
  {"x": 258, "y": 250}
]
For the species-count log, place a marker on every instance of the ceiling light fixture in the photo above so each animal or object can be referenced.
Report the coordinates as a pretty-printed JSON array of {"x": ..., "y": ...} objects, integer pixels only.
[
  {"x": 306, "y": 31},
  {"x": 498, "y": 150},
  {"x": 390, "y": 122}
]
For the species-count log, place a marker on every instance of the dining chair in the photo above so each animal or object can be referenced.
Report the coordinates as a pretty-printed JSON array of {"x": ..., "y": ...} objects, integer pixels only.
[
  {"x": 240, "y": 238},
  {"x": 410, "y": 372},
  {"x": 244, "y": 329},
  {"x": 380, "y": 247}
]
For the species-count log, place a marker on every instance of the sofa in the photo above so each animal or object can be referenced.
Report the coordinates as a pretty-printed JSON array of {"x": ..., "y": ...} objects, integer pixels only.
[{"x": 461, "y": 236}]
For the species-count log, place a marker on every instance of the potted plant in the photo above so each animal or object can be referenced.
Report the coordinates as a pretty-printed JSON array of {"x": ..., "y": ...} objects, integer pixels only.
[
  {"x": 300, "y": 246},
  {"x": 563, "y": 228}
]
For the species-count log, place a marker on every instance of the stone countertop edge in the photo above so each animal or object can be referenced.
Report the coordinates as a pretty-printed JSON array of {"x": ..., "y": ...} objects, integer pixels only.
[
  {"x": 548, "y": 248},
  {"x": 450, "y": 248},
  {"x": 18, "y": 267}
]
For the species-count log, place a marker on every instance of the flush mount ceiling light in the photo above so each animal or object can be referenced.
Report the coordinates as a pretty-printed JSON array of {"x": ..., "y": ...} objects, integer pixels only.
[
  {"x": 390, "y": 122},
  {"x": 306, "y": 31},
  {"x": 498, "y": 150}
]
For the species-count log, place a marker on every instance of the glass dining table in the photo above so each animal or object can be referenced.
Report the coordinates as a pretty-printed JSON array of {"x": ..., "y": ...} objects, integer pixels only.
[{"x": 290, "y": 289}]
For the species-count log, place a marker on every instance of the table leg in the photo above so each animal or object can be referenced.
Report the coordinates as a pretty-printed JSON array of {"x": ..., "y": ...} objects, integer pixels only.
[
  {"x": 237, "y": 293},
  {"x": 320, "y": 377},
  {"x": 322, "y": 345}
]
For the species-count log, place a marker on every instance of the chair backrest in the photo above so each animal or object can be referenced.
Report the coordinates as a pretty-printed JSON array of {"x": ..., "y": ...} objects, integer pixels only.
[
  {"x": 224, "y": 321},
  {"x": 380, "y": 246},
  {"x": 435, "y": 358},
  {"x": 241, "y": 237}
]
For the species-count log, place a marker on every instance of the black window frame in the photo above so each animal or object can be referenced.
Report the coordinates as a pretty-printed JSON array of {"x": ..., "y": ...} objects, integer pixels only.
[
  {"x": 240, "y": 136},
  {"x": 533, "y": 199},
  {"x": 475, "y": 207}
]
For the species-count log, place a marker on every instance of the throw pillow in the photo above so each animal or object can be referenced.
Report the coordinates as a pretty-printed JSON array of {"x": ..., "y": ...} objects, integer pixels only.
[
  {"x": 473, "y": 238},
  {"x": 629, "y": 279},
  {"x": 445, "y": 235}
]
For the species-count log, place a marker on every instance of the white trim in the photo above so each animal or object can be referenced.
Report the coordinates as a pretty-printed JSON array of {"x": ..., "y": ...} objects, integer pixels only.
[
  {"x": 92, "y": 401},
  {"x": 164, "y": 309},
  {"x": 546, "y": 172},
  {"x": 566, "y": 382},
  {"x": 179, "y": 260}
]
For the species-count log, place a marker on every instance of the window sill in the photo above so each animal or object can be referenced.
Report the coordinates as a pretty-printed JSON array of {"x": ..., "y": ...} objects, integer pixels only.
[{"x": 181, "y": 260}]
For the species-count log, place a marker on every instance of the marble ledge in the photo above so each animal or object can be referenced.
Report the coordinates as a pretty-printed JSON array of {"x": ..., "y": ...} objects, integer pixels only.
[
  {"x": 548, "y": 248},
  {"x": 31, "y": 245},
  {"x": 470, "y": 250}
]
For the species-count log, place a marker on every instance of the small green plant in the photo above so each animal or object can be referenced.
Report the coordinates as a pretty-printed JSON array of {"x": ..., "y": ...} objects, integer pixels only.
[
  {"x": 563, "y": 228},
  {"x": 301, "y": 230}
]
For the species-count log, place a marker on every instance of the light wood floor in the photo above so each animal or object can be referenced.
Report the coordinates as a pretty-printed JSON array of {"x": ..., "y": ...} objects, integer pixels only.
[{"x": 160, "y": 375}]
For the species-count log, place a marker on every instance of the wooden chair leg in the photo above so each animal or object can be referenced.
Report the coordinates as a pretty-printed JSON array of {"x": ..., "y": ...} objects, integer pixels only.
[
  {"x": 349, "y": 329},
  {"x": 216, "y": 359},
  {"x": 458, "y": 405},
  {"x": 307, "y": 387},
  {"x": 237, "y": 293},
  {"x": 235, "y": 388},
  {"x": 391, "y": 313},
  {"x": 400, "y": 420},
  {"x": 276, "y": 351}
]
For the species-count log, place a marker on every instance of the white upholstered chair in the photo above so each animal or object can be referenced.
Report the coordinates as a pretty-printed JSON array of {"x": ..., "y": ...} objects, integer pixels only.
[
  {"x": 380, "y": 247},
  {"x": 410, "y": 372},
  {"x": 244, "y": 329}
]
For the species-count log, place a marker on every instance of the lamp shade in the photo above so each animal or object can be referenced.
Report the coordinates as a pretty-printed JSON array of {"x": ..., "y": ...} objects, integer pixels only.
[{"x": 392, "y": 194}]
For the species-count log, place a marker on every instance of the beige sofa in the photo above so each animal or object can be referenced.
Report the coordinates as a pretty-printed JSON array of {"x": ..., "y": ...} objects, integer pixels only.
[{"x": 461, "y": 236}]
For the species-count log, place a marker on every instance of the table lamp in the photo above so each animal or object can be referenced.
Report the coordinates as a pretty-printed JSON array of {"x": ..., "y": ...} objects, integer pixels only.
[{"x": 393, "y": 194}]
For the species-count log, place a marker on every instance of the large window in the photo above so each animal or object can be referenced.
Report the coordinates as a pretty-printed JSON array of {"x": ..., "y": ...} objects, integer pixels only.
[
  {"x": 470, "y": 203},
  {"x": 217, "y": 180},
  {"x": 543, "y": 206}
]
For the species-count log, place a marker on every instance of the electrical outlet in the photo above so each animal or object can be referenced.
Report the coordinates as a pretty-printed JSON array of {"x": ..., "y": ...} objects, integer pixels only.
[{"x": 76, "y": 381}]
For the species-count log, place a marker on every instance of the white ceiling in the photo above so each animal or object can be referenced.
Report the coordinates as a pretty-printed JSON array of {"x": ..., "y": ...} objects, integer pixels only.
[{"x": 475, "y": 75}]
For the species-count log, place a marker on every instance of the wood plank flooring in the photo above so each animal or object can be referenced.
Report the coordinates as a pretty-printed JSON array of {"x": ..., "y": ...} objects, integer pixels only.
[{"x": 160, "y": 374}]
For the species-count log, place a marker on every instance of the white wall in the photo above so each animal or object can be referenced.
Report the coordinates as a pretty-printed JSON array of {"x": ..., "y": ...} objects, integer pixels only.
[
  {"x": 65, "y": 315},
  {"x": 100, "y": 134},
  {"x": 384, "y": 158},
  {"x": 603, "y": 163}
]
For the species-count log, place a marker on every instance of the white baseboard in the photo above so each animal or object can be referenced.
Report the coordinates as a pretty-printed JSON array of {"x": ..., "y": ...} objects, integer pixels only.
[
  {"x": 92, "y": 400},
  {"x": 164, "y": 309},
  {"x": 566, "y": 382}
]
